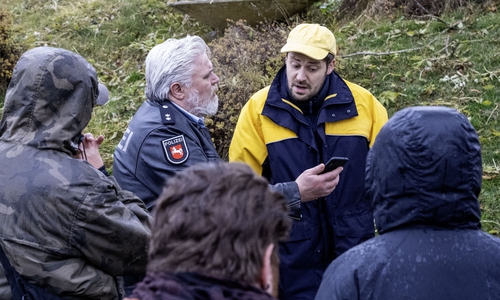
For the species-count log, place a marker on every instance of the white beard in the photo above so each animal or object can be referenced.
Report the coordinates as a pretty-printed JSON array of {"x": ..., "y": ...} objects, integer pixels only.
[{"x": 203, "y": 107}]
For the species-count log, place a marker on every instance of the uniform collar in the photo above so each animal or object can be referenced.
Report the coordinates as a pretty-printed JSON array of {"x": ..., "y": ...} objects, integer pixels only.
[{"x": 196, "y": 119}]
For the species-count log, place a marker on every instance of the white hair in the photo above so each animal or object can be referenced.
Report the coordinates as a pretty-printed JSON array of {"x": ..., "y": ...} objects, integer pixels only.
[{"x": 172, "y": 61}]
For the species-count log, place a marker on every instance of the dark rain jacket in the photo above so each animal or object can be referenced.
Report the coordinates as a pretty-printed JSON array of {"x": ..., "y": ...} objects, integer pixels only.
[
  {"x": 63, "y": 224},
  {"x": 424, "y": 177},
  {"x": 276, "y": 139},
  {"x": 159, "y": 141},
  {"x": 193, "y": 286}
]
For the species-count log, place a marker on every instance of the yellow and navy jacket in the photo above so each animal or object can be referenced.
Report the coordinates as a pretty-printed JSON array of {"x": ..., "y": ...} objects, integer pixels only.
[{"x": 280, "y": 141}]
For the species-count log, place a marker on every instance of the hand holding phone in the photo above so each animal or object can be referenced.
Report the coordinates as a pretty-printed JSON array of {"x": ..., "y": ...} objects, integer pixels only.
[{"x": 334, "y": 163}]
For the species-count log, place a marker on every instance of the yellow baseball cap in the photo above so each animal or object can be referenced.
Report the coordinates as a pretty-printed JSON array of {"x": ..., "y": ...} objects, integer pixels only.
[{"x": 311, "y": 40}]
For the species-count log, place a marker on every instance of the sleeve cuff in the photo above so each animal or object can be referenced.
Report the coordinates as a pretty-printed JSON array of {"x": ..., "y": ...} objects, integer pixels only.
[
  {"x": 292, "y": 195},
  {"x": 103, "y": 170}
]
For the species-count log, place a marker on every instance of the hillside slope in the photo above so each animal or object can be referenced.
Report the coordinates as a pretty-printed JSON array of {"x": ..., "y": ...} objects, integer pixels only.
[{"x": 453, "y": 60}]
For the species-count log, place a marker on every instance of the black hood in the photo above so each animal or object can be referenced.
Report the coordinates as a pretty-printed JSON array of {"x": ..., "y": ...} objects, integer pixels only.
[{"x": 425, "y": 169}]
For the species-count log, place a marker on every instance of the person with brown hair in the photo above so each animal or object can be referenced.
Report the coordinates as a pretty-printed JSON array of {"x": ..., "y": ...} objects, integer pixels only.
[
  {"x": 288, "y": 131},
  {"x": 215, "y": 230}
]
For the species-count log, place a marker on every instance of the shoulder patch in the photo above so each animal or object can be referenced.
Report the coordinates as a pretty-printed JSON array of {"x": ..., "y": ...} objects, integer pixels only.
[{"x": 176, "y": 149}]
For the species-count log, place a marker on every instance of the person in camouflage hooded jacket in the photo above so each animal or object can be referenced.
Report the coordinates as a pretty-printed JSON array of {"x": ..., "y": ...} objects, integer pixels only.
[{"x": 64, "y": 225}]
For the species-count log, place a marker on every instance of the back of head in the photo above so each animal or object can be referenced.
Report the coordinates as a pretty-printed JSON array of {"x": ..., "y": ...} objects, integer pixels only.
[
  {"x": 172, "y": 61},
  {"x": 216, "y": 219},
  {"x": 425, "y": 169}
]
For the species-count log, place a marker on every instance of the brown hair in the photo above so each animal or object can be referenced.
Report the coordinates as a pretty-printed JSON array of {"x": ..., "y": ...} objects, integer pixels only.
[
  {"x": 329, "y": 58},
  {"x": 216, "y": 219}
]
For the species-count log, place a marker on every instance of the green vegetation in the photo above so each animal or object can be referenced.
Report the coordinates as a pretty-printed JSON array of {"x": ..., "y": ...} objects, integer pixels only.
[
  {"x": 9, "y": 50},
  {"x": 451, "y": 60}
]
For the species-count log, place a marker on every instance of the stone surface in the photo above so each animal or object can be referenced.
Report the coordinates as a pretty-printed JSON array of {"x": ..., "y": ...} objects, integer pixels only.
[{"x": 215, "y": 13}]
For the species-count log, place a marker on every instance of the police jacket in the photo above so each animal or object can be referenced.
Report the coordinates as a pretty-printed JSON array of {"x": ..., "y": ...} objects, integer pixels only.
[
  {"x": 277, "y": 139},
  {"x": 159, "y": 141},
  {"x": 424, "y": 177},
  {"x": 65, "y": 226}
]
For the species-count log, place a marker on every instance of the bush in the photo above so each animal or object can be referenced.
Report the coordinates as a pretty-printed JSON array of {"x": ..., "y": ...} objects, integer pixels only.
[
  {"x": 422, "y": 7},
  {"x": 246, "y": 60},
  {"x": 352, "y": 9},
  {"x": 9, "y": 52}
]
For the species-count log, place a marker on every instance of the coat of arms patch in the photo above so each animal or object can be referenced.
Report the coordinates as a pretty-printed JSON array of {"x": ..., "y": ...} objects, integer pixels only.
[{"x": 176, "y": 149}]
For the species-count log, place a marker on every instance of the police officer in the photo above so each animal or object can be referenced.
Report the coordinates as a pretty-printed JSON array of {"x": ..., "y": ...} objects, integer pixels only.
[{"x": 167, "y": 133}]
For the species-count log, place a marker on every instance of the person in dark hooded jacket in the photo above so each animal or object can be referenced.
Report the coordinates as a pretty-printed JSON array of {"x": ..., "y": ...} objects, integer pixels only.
[
  {"x": 64, "y": 225},
  {"x": 424, "y": 177}
]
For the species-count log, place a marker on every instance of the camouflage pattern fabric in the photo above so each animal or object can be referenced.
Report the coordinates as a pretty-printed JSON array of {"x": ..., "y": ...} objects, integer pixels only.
[{"x": 63, "y": 224}]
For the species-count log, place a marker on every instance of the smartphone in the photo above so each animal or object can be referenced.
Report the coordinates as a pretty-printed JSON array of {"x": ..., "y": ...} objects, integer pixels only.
[{"x": 334, "y": 163}]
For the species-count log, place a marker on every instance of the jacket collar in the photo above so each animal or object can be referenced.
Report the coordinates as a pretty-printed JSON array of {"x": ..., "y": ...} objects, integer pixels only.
[
  {"x": 167, "y": 285},
  {"x": 335, "y": 97}
]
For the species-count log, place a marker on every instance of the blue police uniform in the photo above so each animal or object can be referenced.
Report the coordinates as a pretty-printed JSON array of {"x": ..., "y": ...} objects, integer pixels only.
[{"x": 160, "y": 140}]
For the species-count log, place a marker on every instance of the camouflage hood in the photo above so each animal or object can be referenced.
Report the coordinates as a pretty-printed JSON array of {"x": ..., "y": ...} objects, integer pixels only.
[{"x": 49, "y": 100}]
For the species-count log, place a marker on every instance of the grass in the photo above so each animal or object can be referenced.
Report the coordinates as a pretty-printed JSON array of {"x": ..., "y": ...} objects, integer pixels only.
[
  {"x": 452, "y": 64},
  {"x": 452, "y": 61},
  {"x": 114, "y": 36}
]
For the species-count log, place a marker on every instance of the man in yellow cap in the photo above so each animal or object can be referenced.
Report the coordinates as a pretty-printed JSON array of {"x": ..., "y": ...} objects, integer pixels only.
[{"x": 287, "y": 132}]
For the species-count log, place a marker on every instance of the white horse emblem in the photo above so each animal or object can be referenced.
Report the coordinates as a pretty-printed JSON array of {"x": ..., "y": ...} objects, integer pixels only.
[{"x": 176, "y": 149}]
